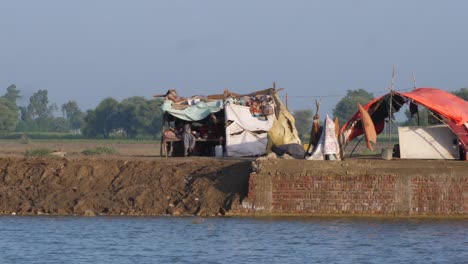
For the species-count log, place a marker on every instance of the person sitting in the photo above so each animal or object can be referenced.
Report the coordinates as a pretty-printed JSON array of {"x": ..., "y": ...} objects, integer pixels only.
[{"x": 172, "y": 95}]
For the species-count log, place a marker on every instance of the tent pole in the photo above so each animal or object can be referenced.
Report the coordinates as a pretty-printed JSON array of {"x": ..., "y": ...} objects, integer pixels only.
[
  {"x": 391, "y": 108},
  {"x": 390, "y": 120},
  {"x": 414, "y": 88},
  {"x": 163, "y": 144},
  {"x": 352, "y": 151}
]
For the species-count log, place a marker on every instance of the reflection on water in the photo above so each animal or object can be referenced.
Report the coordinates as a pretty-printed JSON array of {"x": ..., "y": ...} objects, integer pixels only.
[{"x": 230, "y": 240}]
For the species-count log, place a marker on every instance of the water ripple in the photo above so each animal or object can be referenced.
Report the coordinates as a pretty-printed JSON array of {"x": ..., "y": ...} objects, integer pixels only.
[{"x": 230, "y": 240}]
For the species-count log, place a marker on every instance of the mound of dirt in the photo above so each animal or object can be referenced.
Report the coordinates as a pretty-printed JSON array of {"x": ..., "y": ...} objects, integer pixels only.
[{"x": 121, "y": 186}]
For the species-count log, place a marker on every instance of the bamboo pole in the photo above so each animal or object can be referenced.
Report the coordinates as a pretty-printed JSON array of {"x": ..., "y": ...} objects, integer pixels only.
[
  {"x": 390, "y": 121},
  {"x": 414, "y": 88}
]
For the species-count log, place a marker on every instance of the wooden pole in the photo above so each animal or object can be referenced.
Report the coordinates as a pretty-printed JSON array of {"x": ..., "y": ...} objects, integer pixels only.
[
  {"x": 163, "y": 143},
  {"x": 414, "y": 87},
  {"x": 356, "y": 146},
  {"x": 287, "y": 104},
  {"x": 391, "y": 108}
]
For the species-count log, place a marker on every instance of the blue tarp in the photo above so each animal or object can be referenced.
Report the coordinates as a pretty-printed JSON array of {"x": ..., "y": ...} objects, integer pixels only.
[{"x": 195, "y": 112}]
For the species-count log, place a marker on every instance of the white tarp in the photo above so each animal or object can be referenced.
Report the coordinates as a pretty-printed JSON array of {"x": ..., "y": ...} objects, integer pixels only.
[
  {"x": 432, "y": 142},
  {"x": 246, "y": 135}
]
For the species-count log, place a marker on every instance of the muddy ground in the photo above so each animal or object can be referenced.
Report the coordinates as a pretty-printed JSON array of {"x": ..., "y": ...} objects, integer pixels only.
[{"x": 121, "y": 185}]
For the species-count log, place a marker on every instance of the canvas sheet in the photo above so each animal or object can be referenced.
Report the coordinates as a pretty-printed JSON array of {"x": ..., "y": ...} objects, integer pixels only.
[
  {"x": 246, "y": 135},
  {"x": 431, "y": 142},
  {"x": 195, "y": 112}
]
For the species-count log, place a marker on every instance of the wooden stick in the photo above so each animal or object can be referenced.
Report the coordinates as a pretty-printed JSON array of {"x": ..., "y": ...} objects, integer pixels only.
[
  {"x": 414, "y": 88},
  {"x": 390, "y": 121},
  {"x": 315, "y": 128}
]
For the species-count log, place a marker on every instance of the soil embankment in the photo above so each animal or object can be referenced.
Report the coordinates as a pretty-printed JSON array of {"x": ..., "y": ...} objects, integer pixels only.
[{"x": 121, "y": 186}]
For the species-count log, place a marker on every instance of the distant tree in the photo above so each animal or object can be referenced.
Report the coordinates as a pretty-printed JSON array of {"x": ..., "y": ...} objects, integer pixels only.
[
  {"x": 347, "y": 107},
  {"x": 303, "y": 122},
  {"x": 149, "y": 117},
  {"x": 39, "y": 114},
  {"x": 413, "y": 120},
  {"x": 9, "y": 111},
  {"x": 12, "y": 93},
  {"x": 39, "y": 105},
  {"x": 138, "y": 115},
  {"x": 462, "y": 93},
  {"x": 127, "y": 117},
  {"x": 134, "y": 115},
  {"x": 90, "y": 128},
  {"x": 8, "y": 115},
  {"x": 73, "y": 115},
  {"x": 137, "y": 100},
  {"x": 24, "y": 114},
  {"x": 103, "y": 120},
  {"x": 59, "y": 124}
]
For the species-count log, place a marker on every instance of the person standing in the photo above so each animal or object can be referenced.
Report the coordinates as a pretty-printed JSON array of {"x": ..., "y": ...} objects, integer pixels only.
[{"x": 189, "y": 140}]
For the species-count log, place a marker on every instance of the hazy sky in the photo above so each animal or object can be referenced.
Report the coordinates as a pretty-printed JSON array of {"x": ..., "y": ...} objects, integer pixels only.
[{"x": 88, "y": 50}]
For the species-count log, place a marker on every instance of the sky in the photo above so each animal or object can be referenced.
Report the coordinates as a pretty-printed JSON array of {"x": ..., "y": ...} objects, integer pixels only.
[{"x": 89, "y": 50}]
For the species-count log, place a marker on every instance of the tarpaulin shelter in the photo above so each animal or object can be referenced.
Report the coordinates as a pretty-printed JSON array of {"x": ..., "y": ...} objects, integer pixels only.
[
  {"x": 241, "y": 130},
  {"x": 447, "y": 107}
]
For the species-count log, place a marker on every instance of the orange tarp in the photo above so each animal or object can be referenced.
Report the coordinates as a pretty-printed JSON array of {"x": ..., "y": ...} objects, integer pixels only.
[
  {"x": 368, "y": 125},
  {"x": 441, "y": 102}
]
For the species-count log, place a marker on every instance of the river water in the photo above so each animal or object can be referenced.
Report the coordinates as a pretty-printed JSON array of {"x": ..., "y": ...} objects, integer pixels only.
[{"x": 231, "y": 240}]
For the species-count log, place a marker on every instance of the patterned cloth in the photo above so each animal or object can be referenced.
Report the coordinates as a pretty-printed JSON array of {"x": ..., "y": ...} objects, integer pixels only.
[{"x": 189, "y": 140}]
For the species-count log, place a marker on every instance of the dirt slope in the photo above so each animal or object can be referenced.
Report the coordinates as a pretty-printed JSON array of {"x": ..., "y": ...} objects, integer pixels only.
[{"x": 119, "y": 185}]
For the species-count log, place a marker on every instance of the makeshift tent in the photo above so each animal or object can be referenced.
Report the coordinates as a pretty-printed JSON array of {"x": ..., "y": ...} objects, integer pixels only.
[
  {"x": 447, "y": 107},
  {"x": 246, "y": 135},
  {"x": 241, "y": 129}
]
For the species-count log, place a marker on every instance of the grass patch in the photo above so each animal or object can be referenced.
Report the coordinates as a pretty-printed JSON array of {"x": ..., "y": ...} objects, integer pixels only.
[
  {"x": 71, "y": 136},
  {"x": 98, "y": 151},
  {"x": 40, "y": 152}
]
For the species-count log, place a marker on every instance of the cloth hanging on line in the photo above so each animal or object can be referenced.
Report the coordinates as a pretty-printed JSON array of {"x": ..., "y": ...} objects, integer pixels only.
[{"x": 327, "y": 144}]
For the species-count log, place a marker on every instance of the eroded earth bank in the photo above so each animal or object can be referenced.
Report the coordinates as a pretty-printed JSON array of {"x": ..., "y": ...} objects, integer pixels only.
[{"x": 121, "y": 186}]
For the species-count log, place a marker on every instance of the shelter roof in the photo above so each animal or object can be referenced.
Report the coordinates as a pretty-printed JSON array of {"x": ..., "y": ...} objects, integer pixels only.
[
  {"x": 205, "y": 106},
  {"x": 452, "y": 109}
]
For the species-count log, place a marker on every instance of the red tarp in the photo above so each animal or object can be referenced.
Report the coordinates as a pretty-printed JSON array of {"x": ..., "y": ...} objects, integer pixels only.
[
  {"x": 379, "y": 126},
  {"x": 444, "y": 103}
]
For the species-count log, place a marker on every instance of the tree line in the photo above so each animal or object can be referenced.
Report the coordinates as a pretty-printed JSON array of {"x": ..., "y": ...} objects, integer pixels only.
[
  {"x": 131, "y": 117},
  {"x": 136, "y": 116}
]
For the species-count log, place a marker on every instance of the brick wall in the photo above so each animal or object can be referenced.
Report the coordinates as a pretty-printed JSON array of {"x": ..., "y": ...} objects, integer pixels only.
[{"x": 358, "y": 187}]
